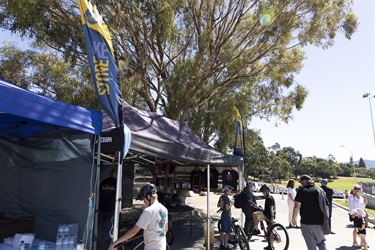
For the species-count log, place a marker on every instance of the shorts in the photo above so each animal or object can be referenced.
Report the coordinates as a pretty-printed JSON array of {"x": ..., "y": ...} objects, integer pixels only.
[
  {"x": 226, "y": 224},
  {"x": 358, "y": 222},
  {"x": 260, "y": 215}
]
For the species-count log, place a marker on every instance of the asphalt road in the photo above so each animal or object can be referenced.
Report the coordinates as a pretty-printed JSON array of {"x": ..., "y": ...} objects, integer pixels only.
[{"x": 341, "y": 225}]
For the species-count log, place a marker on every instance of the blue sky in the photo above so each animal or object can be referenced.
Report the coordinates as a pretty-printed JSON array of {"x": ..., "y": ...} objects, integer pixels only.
[{"x": 334, "y": 113}]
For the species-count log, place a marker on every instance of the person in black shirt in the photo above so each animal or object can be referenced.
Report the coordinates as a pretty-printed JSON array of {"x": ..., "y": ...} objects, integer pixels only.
[
  {"x": 248, "y": 209},
  {"x": 269, "y": 204},
  {"x": 329, "y": 194},
  {"x": 107, "y": 202},
  {"x": 307, "y": 203}
]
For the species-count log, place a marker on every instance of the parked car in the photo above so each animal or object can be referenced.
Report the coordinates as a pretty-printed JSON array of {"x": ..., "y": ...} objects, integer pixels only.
[
  {"x": 256, "y": 186},
  {"x": 338, "y": 194}
]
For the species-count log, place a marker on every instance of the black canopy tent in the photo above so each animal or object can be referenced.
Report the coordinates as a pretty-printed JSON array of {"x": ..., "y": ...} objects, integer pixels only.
[
  {"x": 156, "y": 138},
  {"x": 47, "y": 160}
]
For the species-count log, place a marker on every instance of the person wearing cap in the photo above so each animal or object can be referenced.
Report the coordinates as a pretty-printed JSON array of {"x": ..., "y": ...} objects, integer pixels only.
[
  {"x": 153, "y": 221},
  {"x": 311, "y": 202},
  {"x": 226, "y": 216},
  {"x": 248, "y": 209},
  {"x": 329, "y": 194}
]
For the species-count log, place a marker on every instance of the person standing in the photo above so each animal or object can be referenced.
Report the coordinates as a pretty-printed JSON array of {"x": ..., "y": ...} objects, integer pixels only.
[
  {"x": 356, "y": 201},
  {"x": 153, "y": 221},
  {"x": 291, "y": 194},
  {"x": 107, "y": 202},
  {"x": 269, "y": 210},
  {"x": 359, "y": 226},
  {"x": 248, "y": 209},
  {"x": 226, "y": 217},
  {"x": 312, "y": 204},
  {"x": 346, "y": 193},
  {"x": 329, "y": 194}
]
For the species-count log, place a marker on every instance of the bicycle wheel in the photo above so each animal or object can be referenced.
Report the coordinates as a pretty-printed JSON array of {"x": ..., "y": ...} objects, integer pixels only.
[
  {"x": 219, "y": 225},
  {"x": 168, "y": 248},
  {"x": 241, "y": 238},
  {"x": 278, "y": 237},
  {"x": 170, "y": 237}
]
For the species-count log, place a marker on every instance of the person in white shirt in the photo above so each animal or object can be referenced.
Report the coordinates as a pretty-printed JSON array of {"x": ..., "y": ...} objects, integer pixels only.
[
  {"x": 291, "y": 194},
  {"x": 357, "y": 203},
  {"x": 153, "y": 221}
]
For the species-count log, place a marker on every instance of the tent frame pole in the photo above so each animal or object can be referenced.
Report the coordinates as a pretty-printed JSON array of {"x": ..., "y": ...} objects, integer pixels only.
[
  {"x": 97, "y": 181},
  {"x": 118, "y": 198},
  {"x": 208, "y": 219}
]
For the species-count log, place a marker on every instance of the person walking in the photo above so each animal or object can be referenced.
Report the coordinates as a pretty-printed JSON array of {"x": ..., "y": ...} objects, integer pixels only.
[
  {"x": 329, "y": 194},
  {"x": 311, "y": 202},
  {"x": 248, "y": 209},
  {"x": 226, "y": 217},
  {"x": 291, "y": 194},
  {"x": 356, "y": 201},
  {"x": 153, "y": 221}
]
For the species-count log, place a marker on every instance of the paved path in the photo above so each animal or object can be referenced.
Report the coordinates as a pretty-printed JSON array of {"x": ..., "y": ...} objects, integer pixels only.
[{"x": 342, "y": 240}]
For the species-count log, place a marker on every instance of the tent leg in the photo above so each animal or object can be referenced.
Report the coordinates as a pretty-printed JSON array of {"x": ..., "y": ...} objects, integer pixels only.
[
  {"x": 95, "y": 238},
  {"x": 118, "y": 198}
]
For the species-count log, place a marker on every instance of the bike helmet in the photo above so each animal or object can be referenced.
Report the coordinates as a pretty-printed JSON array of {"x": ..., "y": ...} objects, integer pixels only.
[
  {"x": 264, "y": 188},
  {"x": 249, "y": 183},
  {"x": 227, "y": 187},
  {"x": 145, "y": 190}
]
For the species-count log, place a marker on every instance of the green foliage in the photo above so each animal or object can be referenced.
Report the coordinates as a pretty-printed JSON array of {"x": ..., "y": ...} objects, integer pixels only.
[{"x": 189, "y": 60}]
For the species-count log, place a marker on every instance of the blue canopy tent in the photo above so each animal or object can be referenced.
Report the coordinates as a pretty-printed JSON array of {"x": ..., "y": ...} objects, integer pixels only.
[{"x": 47, "y": 151}]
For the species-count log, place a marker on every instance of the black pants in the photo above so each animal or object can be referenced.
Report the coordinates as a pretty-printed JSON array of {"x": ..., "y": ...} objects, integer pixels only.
[
  {"x": 104, "y": 227},
  {"x": 249, "y": 224}
]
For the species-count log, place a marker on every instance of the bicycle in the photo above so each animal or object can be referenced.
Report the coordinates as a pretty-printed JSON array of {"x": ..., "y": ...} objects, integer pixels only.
[
  {"x": 276, "y": 234},
  {"x": 237, "y": 233},
  {"x": 169, "y": 235},
  {"x": 134, "y": 243}
]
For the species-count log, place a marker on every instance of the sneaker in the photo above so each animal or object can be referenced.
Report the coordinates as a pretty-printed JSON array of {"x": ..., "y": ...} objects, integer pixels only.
[
  {"x": 269, "y": 248},
  {"x": 255, "y": 232},
  {"x": 356, "y": 245},
  {"x": 333, "y": 232}
]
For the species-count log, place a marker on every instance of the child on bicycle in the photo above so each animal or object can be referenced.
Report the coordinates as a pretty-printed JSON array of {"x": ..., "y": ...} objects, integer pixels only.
[
  {"x": 269, "y": 210},
  {"x": 226, "y": 217},
  {"x": 269, "y": 205}
]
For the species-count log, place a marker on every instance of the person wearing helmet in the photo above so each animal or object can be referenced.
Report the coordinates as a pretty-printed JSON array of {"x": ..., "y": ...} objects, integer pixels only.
[
  {"x": 226, "y": 217},
  {"x": 248, "y": 209},
  {"x": 153, "y": 221},
  {"x": 269, "y": 204}
]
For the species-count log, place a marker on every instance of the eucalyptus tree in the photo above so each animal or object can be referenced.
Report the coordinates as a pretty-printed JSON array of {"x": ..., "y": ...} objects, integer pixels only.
[{"x": 180, "y": 57}]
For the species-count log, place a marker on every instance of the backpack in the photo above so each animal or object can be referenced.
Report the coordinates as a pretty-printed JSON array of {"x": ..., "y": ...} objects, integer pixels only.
[{"x": 238, "y": 200}]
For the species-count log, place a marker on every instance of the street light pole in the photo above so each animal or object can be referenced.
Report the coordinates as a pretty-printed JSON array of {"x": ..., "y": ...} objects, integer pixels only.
[
  {"x": 351, "y": 162},
  {"x": 368, "y": 95}
]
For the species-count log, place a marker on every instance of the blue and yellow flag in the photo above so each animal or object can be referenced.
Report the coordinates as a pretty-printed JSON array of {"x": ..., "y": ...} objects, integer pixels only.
[
  {"x": 102, "y": 60},
  {"x": 104, "y": 68},
  {"x": 239, "y": 148}
]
